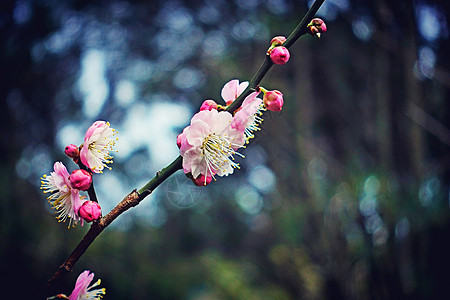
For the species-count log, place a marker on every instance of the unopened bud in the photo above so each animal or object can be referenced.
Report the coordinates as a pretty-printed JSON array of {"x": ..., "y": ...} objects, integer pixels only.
[
  {"x": 71, "y": 151},
  {"x": 278, "y": 41},
  {"x": 273, "y": 100},
  {"x": 201, "y": 180},
  {"x": 90, "y": 211},
  {"x": 208, "y": 105},
  {"x": 316, "y": 27},
  {"x": 81, "y": 179},
  {"x": 279, "y": 55},
  {"x": 179, "y": 139}
]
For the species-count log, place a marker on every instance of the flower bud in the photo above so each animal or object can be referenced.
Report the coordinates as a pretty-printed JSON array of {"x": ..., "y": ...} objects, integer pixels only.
[
  {"x": 90, "y": 211},
  {"x": 278, "y": 40},
  {"x": 200, "y": 180},
  {"x": 273, "y": 100},
  {"x": 179, "y": 139},
  {"x": 80, "y": 179},
  {"x": 316, "y": 27},
  {"x": 71, "y": 151},
  {"x": 208, "y": 105},
  {"x": 279, "y": 55}
]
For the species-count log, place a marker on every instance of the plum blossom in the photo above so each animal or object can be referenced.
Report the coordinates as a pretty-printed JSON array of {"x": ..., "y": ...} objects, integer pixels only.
[
  {"x": 248, "y": 117},
  {"x": 98, "y": 142},
  {"x": 64, "y": 198},
  {"x": 209, "y": 143},
  {"x": 83, "y": 292},
  {"x": 232, "y": 89}
]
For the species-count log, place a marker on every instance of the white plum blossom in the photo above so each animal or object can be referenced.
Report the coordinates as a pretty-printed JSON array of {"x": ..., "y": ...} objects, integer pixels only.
[
  {"x": 208, "y": 145},
  {"x": 98, "y": 142}
]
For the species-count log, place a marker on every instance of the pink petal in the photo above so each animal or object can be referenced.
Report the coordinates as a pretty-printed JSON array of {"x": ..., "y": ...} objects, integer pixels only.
[
  {"x": 197, "y": 133},
  {"x": 93, "y": 128},
  {"x": 229, "y": 90}
]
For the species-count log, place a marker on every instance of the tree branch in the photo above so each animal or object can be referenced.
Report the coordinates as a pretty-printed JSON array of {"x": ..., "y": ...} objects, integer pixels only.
[{"x": 135, "y": 197}]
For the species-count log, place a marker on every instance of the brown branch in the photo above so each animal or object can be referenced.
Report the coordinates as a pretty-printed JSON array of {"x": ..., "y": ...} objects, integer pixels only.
[
  {"x": 97, "y": 227},
  {"x": 135, "y": 197}
]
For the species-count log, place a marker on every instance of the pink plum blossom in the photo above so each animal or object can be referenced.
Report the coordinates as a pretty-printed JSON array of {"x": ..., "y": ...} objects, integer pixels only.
[
  {"x": 90, "y": 211},
  {"x": 209, "y": 143},
  {"x": 98, "y": 142},
  {"x": 64, "y": 198},
  {"x": 279, "y": 55},
  {"x": 83, "y": 291},
  {"x": 248, "y": 117},
  {"x": 232, "y": 89}
]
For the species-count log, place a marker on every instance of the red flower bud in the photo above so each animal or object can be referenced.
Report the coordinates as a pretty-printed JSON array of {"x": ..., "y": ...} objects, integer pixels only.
[
  {"x": 316, "y": 27},
  {"x": 80, "y": 179},
  {"x": 71, "y": 151},
  {"x": 200, "y": 180},
  {"x": 279, "y": 55},
  {"x": 90, "y": 211},
  {"x": 273, "y": 100},
  {"x": 208, "y": 105},
  {"x": 277, "y": 41}
]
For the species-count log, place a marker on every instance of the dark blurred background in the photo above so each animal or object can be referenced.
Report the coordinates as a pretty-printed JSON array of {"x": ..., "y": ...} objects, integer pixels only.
[{"x": 342, "y": 195}]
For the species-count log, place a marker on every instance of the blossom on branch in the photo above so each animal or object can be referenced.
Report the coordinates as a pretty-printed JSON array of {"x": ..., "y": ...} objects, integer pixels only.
[
  {"x": 64, "y": 198},
  {"x": 82, "y": 289},
  {"x": 98, "y": 142},
  {"x": 232, "y": 89},
  {"x": 248, "y": 117},
  {"x": 209, "y": 143}
]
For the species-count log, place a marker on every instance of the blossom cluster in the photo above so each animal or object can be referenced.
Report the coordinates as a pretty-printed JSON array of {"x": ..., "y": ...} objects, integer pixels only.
[
  {"x": 211, "y": 142},
  {"x": 93, "y": 156}
]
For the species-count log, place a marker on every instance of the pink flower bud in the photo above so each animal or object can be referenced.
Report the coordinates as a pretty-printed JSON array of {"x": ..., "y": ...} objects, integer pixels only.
[
  {"x": 316, "y": 27},
  {"x": 71, "y": 151},
  {"x": 90, "y": 211},
  {"x": 208, "y": 105},
  {"x": 278, "y": 40},
  {"x": 81, "y": 179},
  {"x": 279, "y": 55},
  {"x": 179, "y": 139},
  {"x": 273, "y": 100},
  {"x": 200, "y": 180}
]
